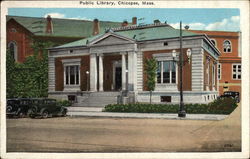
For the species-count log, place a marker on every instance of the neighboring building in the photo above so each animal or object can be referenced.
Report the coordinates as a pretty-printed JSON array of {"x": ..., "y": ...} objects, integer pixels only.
[
  {"x": 229, "y": 66},
  {"x": 111, "y": 65},
  {"x": 22, "y": 31}
]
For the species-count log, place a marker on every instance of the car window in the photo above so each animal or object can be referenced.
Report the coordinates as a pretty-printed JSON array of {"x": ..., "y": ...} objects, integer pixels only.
[{"x": 23, "y": 102}]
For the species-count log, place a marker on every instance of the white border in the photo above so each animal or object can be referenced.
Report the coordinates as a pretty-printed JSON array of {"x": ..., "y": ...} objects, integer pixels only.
[{"x": 244, "y": 18}]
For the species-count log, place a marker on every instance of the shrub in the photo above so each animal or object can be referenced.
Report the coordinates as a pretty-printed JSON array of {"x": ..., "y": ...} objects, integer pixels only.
[
  {"x": 64, "y": 103},
  {"x": 219, "y": 106}
]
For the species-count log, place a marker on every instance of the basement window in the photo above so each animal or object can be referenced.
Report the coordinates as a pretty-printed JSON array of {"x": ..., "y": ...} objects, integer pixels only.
[
  {"x": 166, "y": 99},
  {"x": 72, "y": 98},
  {"x": 165, "y": 43},
  {"x": 70, "y": 51}
]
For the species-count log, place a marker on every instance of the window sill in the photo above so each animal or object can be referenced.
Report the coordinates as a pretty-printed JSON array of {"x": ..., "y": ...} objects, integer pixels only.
[
  {"x": 71, "y": 88},
  {"x": 166, "y": 87}
]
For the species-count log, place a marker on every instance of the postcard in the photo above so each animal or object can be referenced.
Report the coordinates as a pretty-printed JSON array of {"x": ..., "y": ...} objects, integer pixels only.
[{"x": 124, "y": 79}]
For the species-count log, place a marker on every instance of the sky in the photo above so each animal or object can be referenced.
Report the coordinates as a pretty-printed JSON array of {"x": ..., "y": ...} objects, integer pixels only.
[{"x": 220, "y": 19}]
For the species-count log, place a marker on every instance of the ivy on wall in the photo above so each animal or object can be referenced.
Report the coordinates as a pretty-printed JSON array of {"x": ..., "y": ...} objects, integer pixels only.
[{"x": 29, "y": 79}]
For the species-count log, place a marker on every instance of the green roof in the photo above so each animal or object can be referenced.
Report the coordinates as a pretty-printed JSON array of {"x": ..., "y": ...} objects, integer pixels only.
[
  {"x": 139, "y": 34},
  {"x": 153, "y": 33},
  {"x": 82, "y": 42},
  {"x": 62, "y": 27}
]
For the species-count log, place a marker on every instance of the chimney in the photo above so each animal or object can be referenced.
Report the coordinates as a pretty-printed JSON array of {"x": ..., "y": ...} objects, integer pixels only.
[
  {"x": 134, "y": 21},
  {"x": 96, "y": 27},
  {"x": 157, "y": 21},
  {"x": 49, "y": 27},
  {"x": 125, "y": 23}
]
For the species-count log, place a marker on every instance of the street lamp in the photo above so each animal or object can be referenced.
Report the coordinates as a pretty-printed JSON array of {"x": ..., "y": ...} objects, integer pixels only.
[{"x": 182, "y": 112}]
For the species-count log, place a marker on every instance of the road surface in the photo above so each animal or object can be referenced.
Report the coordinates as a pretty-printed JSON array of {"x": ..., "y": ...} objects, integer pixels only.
[{"x": 83, "y": 134}]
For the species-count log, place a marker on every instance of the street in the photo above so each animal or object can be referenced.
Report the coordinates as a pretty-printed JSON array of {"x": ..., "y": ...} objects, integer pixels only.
[{"x": 66, "y": 134}]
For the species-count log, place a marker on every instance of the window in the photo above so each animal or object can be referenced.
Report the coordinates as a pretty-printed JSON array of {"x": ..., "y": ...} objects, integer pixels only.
[
  {"x": 213, "y": 41},
  {"x": 227, "y": 46},
  {"x": 13, "y": 30},
  {"x": 12, "y": 48},
  {"x": 166, "y": 99},
  {"x": 208, "y": 73},
  {"x": 237, "y": 71},
  {"x": 219, "y": 71},
  {"x": 213, "y": 74},
  {"x": 166, "y": 72},
  {"x": 72, "y": 75}
]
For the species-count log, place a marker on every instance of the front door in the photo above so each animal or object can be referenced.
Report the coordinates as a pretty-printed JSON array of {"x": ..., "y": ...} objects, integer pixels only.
[{"x": 118, "y": 78}]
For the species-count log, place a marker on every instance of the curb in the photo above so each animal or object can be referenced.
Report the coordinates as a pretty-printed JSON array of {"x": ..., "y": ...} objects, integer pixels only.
[{"x": 148, "y": 116}]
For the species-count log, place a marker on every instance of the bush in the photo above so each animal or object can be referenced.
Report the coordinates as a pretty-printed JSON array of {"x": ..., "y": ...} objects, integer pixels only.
[
  {"x": 64, "y": 103},
  {"x": 219, "y": 106}
]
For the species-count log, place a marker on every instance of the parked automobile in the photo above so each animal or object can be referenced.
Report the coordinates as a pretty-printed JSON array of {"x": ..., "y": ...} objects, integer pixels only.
[
  {"x": 45, "y": 108},
  {"x": 231, "y": 94},
  {"x": 18, "y": 107}
]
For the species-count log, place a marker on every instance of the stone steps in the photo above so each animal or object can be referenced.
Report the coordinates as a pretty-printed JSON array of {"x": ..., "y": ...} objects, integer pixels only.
[{"x": 96, "y": 99}]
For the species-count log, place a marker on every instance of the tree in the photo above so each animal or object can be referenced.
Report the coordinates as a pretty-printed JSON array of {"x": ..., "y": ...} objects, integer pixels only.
[
  {"x": 151, "y": 68},
  {"x": 10, "y": 74}
]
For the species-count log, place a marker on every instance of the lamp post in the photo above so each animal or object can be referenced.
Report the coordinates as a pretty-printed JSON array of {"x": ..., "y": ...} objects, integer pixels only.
[{"x": 182, "y": 112}]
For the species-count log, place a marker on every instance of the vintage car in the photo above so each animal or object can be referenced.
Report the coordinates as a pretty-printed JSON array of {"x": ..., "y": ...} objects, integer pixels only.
[
  {"x": 45, "y": 107},
  {"x": 231, "y": 94},
  {"x": 18, "y": 107}
]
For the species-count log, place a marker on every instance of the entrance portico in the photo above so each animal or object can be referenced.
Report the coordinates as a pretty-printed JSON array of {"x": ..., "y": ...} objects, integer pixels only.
[
  {"x": 112, "y": 71},
  {"x": 119, "y": 71}
]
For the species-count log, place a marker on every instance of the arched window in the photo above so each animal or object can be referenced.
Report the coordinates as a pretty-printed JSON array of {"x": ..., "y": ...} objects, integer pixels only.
[
  {"x": 213, "y": 41},
  {"x": 227, "y": 46},
  {"x": 12, "y": 47}
]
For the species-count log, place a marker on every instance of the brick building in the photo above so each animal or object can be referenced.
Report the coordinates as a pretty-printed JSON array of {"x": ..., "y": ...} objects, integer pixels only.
[
  {"x": 110, "y": 66},
  {"x": 229, "y": 66},
  {"x": 22, "y": 31}
]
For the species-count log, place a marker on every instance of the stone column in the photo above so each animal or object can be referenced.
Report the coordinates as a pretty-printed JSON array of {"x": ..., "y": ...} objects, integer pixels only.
[
  {"x": 51, "y": 74},
  {"x": 100, "y": 72},
  {"x": 135, "y": 70},
  {"x": 124, "y": 82},
  {"x": 131, "y": 71},
  {"x": 93, "y": 73}
]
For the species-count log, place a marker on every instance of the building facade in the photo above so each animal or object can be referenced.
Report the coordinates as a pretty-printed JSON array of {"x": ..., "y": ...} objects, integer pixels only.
[
  {"x": 229, "y": 66},
  {"x": 111, "y": 66}
]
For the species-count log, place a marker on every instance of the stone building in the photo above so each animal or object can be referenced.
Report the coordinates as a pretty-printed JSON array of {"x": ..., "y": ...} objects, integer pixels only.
[{"x": 109, "y": 67}]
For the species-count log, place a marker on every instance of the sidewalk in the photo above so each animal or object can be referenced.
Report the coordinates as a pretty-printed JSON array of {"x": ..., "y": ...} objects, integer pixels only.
[{"x": 97, "y": 112}]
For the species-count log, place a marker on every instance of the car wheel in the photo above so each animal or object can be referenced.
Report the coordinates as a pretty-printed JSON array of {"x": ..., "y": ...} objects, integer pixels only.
[
  {"x": 31, "y": 112},
  {"x": 45, "y": 114},
  {"x": 9, "y": 108}
]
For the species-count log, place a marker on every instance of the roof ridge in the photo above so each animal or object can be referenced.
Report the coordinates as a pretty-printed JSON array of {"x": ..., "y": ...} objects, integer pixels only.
[{"x": 137, "y": 27}]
